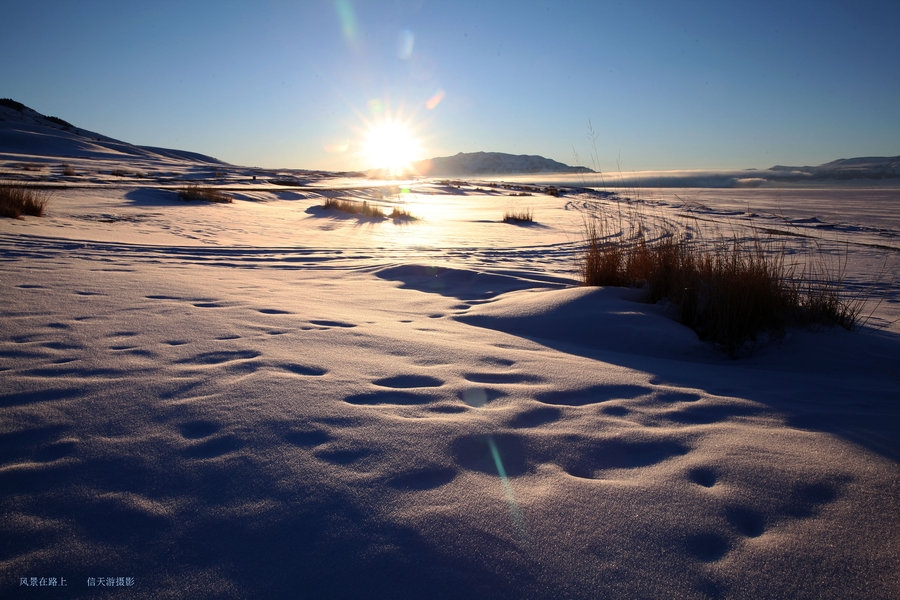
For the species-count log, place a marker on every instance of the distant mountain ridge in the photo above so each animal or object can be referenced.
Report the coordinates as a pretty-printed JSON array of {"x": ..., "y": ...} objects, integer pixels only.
[
  {"x": 492, "y": 163},
  {"x": 26, "y": 132},
  {"x": 866, "y": 167}
]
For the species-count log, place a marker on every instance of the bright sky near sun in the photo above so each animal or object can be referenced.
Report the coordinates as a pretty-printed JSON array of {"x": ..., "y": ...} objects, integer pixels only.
[{"x": 628, "y": 85}]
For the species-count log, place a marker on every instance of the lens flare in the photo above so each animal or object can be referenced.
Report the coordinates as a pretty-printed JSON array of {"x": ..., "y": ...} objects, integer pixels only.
[
  {"x": 348, "y": 19},
  {"x": 376, "y": 106},
  {"x": 515, "y": 512},
  {"x": 337, "y": 148},
  {"x": 405, "y": 44},
  {"x": 433, "y": 102}
]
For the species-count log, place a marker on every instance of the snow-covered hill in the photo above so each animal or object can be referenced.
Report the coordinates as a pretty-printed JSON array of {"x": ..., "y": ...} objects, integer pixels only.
[{"x": 26, "y": 132}]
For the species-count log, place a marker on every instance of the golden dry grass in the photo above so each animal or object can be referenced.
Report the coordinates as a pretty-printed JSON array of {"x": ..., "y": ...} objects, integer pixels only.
[
  {"x": 194, "y": 192},
  {"x": 729, "y": 290},
  {"x": 16, "y": 201},
  {"x": 366, "y": 210},
  {"x": 521, "y": 216},
  {"x": 363, "y": 209}
]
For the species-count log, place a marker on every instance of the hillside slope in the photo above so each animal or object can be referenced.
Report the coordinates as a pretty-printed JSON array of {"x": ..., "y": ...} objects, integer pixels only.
[{"x": 26, "y": 132}]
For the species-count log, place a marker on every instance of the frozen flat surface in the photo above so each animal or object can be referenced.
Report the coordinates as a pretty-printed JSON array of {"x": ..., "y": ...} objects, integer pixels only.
[{"x": 267, "y": 399}]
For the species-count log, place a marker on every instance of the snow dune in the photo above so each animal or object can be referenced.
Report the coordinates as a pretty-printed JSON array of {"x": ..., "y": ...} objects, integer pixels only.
[{"x": 265, "y": 399}]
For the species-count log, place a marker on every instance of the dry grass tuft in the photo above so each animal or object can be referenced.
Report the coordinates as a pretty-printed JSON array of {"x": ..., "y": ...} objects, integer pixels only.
[
  {"x": 363, "y": 209},
  {"x": 16, "y": 201},
  {"x": 822, "y": 292},
  {"x": 194, "y": 192},
  {"x": 522, "y": 216},
  {"x": 366, "y": 210},
  {"x": 603, "y": 258},
  {"x": 729, "y": 291},
  {"x": 401, "y": 214}
]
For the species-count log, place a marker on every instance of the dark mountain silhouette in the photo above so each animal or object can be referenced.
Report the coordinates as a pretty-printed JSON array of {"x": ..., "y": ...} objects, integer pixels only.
[
  {"x": 492, "y": 163},
  {"x": 868, "y": 167}
]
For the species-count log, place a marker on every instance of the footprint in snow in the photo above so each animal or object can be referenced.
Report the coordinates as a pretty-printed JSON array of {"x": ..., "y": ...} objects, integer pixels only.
[
  {"x": 588, "y": 458},
  {"x": 500, "y": 378},
  {"x": 197, "y": 429},
  {"x": 593, "y": 395},
  {"x": 425, "y": 478},
  {"x": 536, "y": 417},
  {"x": 273, "y": 311},
  {"x": 213, "y": 447},
  {"x": 400, "y": 398},
  {"x": 304, "y": 370},
  {"x": 328, "y": 324},
  {"x": 409, "y": 381},
  {"x": 501, "y": 454},
  {"x": 708, "y": 546},
  {"x": 703, "y": 476},
  {"x": 306, "y": 438}
]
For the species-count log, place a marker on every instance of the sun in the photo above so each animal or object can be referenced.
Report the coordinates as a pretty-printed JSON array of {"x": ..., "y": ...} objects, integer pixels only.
[{"x": 391, "y": 146}]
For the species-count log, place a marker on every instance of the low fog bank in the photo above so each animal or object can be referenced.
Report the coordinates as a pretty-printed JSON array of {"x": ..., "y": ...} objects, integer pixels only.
[{"x": 854, "y": 172}]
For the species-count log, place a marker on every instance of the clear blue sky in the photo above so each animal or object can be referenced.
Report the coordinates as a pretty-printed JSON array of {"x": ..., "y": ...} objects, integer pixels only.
[{"x": 664, "y": 85}]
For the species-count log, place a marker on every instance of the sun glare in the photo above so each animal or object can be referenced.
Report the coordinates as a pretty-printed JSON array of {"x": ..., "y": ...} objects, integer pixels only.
[{"x": 391, "y": 146}]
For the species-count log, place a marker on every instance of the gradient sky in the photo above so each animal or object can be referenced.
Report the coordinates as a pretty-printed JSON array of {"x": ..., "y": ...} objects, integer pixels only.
[{"x": 629, "y": 85}]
